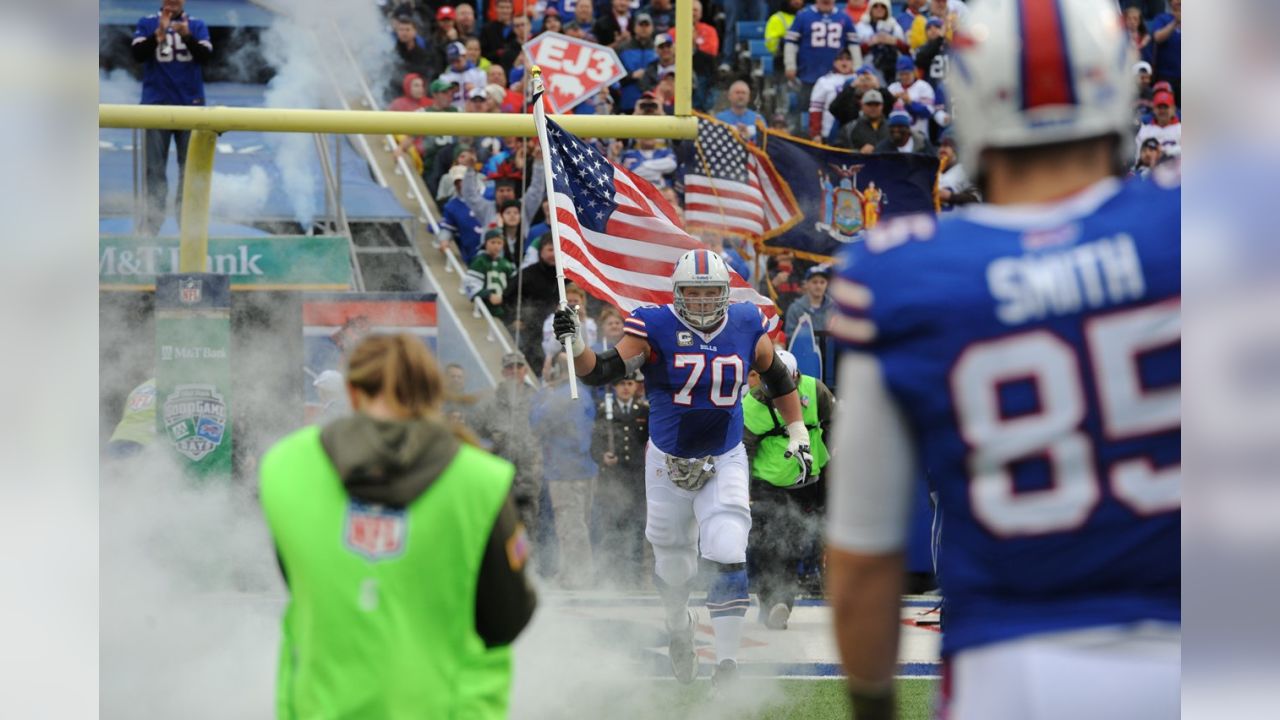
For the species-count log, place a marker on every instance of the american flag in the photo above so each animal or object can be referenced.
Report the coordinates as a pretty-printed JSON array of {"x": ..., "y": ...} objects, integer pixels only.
[
  {"x": 731, "y": 187},
  {"x": 619, "y": 238}
]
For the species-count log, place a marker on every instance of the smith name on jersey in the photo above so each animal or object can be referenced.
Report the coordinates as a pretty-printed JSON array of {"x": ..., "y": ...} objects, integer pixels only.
[
  {"x": 693, "y": 380},
  {"x": 1056, "y": 452}
]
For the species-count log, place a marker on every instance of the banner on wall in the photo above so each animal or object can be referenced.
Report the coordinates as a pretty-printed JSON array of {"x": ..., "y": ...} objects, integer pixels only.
[
  {"x": 278, "y": 262},
  {"x": 334, "y": 323}
]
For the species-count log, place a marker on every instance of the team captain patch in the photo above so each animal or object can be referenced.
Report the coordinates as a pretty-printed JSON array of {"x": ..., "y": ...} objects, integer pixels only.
[{"x": 375, "y": 531}]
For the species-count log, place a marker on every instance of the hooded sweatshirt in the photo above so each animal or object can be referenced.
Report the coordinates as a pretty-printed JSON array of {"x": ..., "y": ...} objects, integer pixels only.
[
  {"x": 404, "y": 558},
  {"x": 407, "y": 102}
]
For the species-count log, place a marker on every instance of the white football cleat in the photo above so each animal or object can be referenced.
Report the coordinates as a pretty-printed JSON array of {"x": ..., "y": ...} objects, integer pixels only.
[{"x": 684, "y": 661}]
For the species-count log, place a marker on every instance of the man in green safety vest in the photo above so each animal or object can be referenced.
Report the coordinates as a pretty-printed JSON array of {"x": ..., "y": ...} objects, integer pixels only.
[
  {"x": 785, "y": 506},
  {"x": 402, "y": 550}
]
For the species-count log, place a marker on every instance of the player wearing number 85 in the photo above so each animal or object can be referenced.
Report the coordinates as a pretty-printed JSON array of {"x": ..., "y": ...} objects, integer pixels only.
[
  {"x": 1024, "y": 356},
  {"x": 695, "y": 354}
]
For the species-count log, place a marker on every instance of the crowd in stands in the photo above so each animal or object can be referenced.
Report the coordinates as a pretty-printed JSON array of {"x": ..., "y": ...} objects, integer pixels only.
[{"x": 866, "y": 75}]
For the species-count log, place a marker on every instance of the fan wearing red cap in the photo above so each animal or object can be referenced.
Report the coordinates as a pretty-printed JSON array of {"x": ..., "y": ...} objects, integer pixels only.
[
  {"x": 1165, "y": 126},
  {"x": 444, "y": 30}
]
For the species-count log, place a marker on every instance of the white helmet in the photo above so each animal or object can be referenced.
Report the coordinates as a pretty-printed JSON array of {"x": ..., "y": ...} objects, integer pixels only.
[
  {"x": 700, "y": 268},
  {"x": 1038, "y": 72},
  {"x": 789, "y": 360}
]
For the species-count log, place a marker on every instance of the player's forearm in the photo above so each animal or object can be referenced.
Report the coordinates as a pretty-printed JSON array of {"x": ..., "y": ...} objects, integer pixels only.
[
  {"x": 586, "y": 362},
  {"x": 865, "y": 592},
  {"x": 789, "y": 407}
]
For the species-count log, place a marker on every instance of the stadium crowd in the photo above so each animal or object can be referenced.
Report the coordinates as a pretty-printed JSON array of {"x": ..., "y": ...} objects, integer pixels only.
[{"x": 865, "y": 75}]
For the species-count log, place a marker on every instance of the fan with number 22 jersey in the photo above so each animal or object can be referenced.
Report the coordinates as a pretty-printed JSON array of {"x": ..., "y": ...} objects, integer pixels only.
[
  {"x": 1055, "y": 451},
  {"x": 694, "y": 380}
]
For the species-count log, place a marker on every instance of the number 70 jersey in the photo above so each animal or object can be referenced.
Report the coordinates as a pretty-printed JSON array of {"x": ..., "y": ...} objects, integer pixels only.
[
  {"x": 694, "y": 380},
  {"x": 1036, "y": 357}
]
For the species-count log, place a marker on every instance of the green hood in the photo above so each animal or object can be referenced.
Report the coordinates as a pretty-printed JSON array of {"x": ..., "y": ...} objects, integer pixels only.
[{"x": 390, "y": 462}]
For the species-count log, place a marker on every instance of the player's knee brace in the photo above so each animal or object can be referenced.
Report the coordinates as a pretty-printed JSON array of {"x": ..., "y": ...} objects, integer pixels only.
[
  {"x": 727, "y": 595},
  {"x": 675, "y": 566},
  {"x": 724, "y": 537}
]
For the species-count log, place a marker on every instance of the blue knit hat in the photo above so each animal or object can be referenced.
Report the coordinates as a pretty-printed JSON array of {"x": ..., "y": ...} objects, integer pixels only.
[
  {"x": 906, "y": 64},
  {"x": 898, "y": 117}
]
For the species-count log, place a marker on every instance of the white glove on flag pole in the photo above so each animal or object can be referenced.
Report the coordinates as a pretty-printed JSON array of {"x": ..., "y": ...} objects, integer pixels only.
[{"x": 540, "y": 122}]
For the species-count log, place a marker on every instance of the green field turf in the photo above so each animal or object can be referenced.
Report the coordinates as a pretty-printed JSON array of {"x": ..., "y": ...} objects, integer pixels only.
[
  {"x": 760, "y": 699},
  {"x": 827, "y": 699}
]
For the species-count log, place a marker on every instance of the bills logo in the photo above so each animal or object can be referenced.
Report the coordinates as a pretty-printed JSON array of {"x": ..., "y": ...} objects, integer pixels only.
[
  {"x": 189, "y": 291},
  {"x": 374, "y": 531}
]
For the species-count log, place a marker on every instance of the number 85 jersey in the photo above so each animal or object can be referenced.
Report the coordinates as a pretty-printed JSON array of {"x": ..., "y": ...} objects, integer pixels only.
[
  {"x": 694, "y": 380},
  {"x": 1035, "y": 355}
]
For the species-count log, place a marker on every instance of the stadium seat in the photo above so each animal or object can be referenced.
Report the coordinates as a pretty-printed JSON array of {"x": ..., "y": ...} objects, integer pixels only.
[
  {"x": 750, "y": 30},
  {"x": 758, "y": 49},
  {"x": 766, "y": 65}
]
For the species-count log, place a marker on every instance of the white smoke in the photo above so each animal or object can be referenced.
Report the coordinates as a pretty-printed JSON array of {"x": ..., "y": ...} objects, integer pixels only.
[
  {"x": 239, "y": 195},
  {"x": 307, "y": 46},
  {"x": 190, "y": 598},
  {"x": 118, "y": 87}
]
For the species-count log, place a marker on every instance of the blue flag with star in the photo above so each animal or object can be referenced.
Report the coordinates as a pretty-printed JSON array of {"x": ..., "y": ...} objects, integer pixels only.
[{"x": 841, "y": 192}]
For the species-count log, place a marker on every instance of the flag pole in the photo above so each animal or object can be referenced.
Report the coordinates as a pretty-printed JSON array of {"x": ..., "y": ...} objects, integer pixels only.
[{"x": 540, "y": 122}]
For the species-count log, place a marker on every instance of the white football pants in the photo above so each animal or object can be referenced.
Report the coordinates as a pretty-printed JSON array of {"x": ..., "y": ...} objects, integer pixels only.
[{"x": 716, "y": 518}]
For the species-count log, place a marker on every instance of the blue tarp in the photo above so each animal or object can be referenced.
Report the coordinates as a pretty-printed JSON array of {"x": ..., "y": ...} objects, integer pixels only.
[
  {"x": 215, "y": 13},
  {"x": 249, "y": 178}
]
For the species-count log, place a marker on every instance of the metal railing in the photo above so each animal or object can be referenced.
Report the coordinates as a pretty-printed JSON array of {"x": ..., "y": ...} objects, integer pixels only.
[
  {"x": 452, "y": 264},
  {"x": 371, "y": 102}
]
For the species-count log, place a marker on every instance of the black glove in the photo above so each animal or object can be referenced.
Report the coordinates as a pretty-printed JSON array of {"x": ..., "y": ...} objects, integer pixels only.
[{"x": 565, "y": 324}]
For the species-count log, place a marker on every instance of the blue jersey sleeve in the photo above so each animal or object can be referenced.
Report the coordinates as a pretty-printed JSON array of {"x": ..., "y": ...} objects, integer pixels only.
[
  {"x": 850, "y": 32},
  {"x": 146, "y": 28}
]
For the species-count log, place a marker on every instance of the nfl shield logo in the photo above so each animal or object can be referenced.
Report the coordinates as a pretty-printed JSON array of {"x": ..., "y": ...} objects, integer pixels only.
[
  {"x": 374, "y": 531},
  {"x": 189, "y": 291}
]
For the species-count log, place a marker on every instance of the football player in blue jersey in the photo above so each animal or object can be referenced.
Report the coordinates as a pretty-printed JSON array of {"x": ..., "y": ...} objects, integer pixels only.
[
  {"x": 1025, "y": 356},
  {"x": 695, "y": 354}
]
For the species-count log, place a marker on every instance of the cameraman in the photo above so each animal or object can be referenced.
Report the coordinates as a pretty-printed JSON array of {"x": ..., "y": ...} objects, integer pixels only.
[{"x": 172, "y": 47}]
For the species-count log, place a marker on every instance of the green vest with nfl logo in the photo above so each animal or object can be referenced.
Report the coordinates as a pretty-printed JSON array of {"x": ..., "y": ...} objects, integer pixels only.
[
  {"x": 381, "y": 615},
  {"x": 769, "y": 464}
]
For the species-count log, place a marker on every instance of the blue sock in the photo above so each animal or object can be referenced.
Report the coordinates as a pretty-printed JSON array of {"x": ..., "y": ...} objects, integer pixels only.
[{"x": 727, "y": 595}]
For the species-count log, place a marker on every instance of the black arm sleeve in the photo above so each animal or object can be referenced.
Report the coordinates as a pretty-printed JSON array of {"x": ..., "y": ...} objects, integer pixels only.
[
  {"x": 777, "y": 381},
  {"x": 199, "y": 53},
  {"x": 504, "y": 598},
  {"x": 609, "y": 367},
  {"x": 144, "y": 50}
]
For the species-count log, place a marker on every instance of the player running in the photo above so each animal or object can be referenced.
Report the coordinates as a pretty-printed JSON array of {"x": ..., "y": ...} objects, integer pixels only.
[
  {"x": 695, "y": 354},
  {"x": 1025, "y": 355}
]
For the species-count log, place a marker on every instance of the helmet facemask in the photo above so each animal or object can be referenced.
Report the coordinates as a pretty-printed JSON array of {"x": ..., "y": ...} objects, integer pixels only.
[{"x": 703, "y": 310}]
